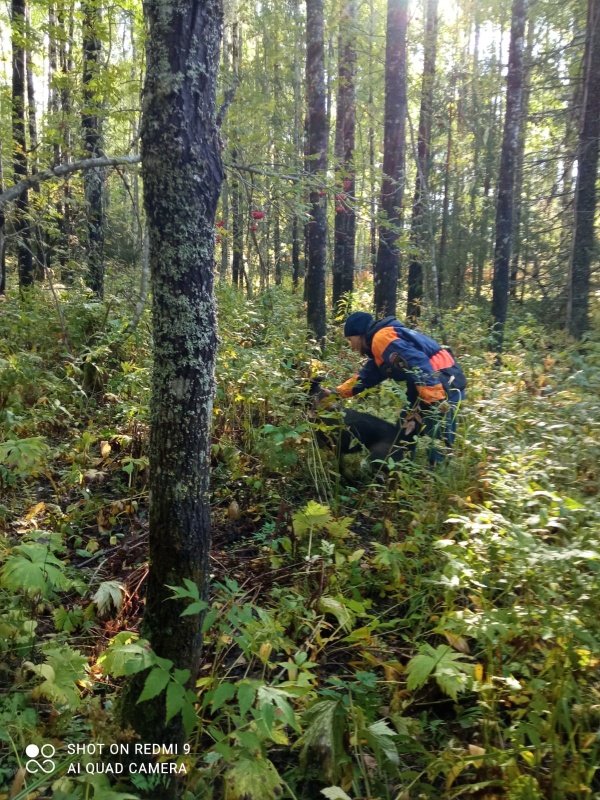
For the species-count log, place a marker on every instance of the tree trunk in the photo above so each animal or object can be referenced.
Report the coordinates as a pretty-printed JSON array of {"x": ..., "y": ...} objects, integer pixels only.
[
  {"x": 582, "y": 251},
  {"x": 66, "y": 66},
  {"x": 53, "y": 106},
  {"x": 372, "y": 209},
  {"x": 277, "y": 129},
  {"x": 442, "y": 266},
  {"x": 32, "y": 118},
  {"x": 392, "y": 183},
  {"x": 35, "y": 238},
  {"x": 295, "y": 253},
  {"x": 22, "y": 227},
  {"x": 237, "y": 229},
  {"x": 419, "y": 226},
  {"x": 517, "y": 214},
  {"x": 316, "y": 164},
  {"x": 297, "y": 134},
  {"x": 224, "y": 237},
  {"x": 2, "y": 237},
  {"x": 345, "y": 127},
  {"x": 182, "y": 177},
  {"x": 506, "y": 176},
  {"x": 92, "y": 137}
]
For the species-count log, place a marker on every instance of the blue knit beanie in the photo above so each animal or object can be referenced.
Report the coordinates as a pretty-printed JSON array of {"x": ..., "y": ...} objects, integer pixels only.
[{"x": 357, "y": 323}]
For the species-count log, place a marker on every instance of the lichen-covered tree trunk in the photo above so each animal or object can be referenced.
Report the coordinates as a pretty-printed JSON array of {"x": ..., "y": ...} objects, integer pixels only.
[
  {"x": 182, "y": 173},
  {"x": 345, "y": 127},
  {"x": 21, "y": 226},
  {"x": 316, "y": 163},
  {"x": 506, "y": 176},
  {"x": 419, "y": 225},
  {"x": 91, "y": 123},
  {"x": 392, "y": 183},
  {"x": 587, "y": 174}
]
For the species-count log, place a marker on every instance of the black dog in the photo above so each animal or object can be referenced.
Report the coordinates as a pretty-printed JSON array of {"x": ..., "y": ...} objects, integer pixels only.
[{"x": 346, "y": 430}]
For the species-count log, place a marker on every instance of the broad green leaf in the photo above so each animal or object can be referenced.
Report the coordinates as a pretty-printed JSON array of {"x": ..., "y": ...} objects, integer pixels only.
[
  {"x": 447, "y": 667},
  {"x": 175, "y": 699},
  {"x": 195, "y": 608},
  {"x": 314, "y": 515},
  {"x": 277, "y": 697},
  {"x": 329, "y": 605},
  {"x": 33, "y": 569},
  {"x": 335, "y": 793},
  {"x": 188, "y": 713},
  {"x": 24, "y": 456},
  {"x": 325, "y": 723},
  {"x": 109, "y": 595},
  {"x": 119, "y": 660},
  {"x": 252, "y": 779},
  {"x": 224, "y": 692},
  {"x": 155, "y": 683},
  {"x": 61, "y": 671},
  {"x": 246, "y": 693},
  {"x": 380, "y": 737}
]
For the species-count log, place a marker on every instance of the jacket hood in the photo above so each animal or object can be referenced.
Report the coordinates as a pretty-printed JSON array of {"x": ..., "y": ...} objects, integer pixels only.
[{"x": 377, "y": 325}]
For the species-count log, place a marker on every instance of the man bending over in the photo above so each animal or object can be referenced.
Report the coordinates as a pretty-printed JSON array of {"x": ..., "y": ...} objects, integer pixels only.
[{"x": 435, "y": 384}]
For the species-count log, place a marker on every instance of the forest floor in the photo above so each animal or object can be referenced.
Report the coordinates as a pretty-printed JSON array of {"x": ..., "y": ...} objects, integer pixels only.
[{"x": 422, "y": 634}]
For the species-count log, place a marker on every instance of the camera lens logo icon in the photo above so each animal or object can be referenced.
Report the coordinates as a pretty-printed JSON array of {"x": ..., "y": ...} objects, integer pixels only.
[{"x": 45, "y": 753}]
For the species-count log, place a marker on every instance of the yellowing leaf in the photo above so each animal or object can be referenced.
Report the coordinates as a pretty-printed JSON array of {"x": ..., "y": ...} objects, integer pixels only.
[
  {"x": 265, "y": 651},
  {"x": 475, "y": 750},
  {"x": 105, "y": 449},
  {"x": 457, "y": 642},
  {"x": 528, "y": 757},
  {"x": 478, "y": 672},
  {"x": 455, "y": 771},
  {"x": 33, "y": 512},
  {"x": 392, "y": 670},
  {"x": 345, "y": 617}
]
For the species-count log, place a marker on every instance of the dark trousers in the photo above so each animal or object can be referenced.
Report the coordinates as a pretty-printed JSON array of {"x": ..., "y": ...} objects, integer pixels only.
[{"x": 436, "y": 420}]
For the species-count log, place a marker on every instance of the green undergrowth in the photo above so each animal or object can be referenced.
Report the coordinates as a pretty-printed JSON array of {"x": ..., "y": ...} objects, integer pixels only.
[{"x": 406, "y": 634}]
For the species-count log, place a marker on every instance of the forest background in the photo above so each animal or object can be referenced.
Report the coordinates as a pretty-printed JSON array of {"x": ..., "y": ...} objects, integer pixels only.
[{"x": 435, "y": 634}]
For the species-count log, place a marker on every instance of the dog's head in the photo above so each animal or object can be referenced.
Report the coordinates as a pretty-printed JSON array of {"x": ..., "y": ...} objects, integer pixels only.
[{"x": 316, "y": 393}]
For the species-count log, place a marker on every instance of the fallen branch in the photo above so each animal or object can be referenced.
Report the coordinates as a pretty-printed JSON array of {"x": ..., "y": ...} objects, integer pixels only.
[{"x": 65, "y": 169}]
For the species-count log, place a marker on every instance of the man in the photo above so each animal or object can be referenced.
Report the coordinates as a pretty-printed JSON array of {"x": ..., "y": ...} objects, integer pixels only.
[{"x": 435, "y": 384}]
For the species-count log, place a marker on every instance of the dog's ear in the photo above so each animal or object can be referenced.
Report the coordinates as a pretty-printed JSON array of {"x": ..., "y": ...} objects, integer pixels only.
[{"x": 315, "y": 386}]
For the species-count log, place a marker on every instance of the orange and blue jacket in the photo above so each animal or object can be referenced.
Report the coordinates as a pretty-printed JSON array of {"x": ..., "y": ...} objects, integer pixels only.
[{"x": 400, "y": 353}]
